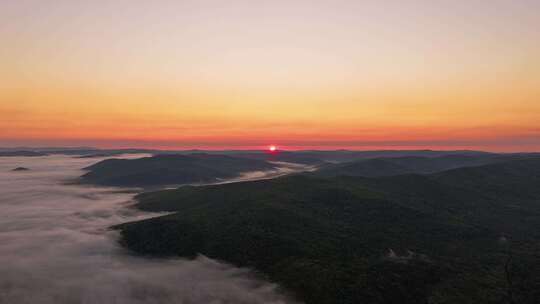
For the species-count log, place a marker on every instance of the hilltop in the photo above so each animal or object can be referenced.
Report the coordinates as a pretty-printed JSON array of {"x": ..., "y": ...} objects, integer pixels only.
[{"x": 170, "y": 169}]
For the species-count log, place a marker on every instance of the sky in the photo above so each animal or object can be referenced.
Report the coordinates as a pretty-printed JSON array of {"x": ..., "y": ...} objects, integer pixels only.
[{"x": 247, "y": 74}]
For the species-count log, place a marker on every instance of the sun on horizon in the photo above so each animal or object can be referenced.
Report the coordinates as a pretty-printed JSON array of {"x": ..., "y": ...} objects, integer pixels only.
[{"x": 316, "y": 74}]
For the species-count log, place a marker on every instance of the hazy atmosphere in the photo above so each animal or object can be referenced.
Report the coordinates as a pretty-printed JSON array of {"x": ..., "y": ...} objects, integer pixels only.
[{"x": 270, "y": 152}]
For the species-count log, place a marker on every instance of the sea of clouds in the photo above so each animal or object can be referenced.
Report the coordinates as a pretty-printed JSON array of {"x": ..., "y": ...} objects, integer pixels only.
[{"x": 55, "y": 246}]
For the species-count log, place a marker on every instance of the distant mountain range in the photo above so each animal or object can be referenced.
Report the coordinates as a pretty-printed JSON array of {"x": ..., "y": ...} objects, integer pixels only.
[
  {"x": 301, "y": 156},
  {"x": 398, "y": 165},
  {"x": 175, "y": 168},
  {"x": 21, "y": 153},
  {"x": 465, "y": 235},
  {"x": 339, "y": 156}
]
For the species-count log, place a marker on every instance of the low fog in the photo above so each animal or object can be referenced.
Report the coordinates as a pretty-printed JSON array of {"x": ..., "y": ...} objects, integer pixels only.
[
  {"x": 55, "y": 246},
  {"x": 281, "y": 169}
]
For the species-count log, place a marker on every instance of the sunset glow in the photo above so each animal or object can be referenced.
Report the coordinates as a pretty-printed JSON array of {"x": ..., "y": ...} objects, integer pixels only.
[{"x": 240, "y": 74}]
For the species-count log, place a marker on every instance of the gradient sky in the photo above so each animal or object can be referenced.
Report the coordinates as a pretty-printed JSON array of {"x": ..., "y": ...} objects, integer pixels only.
[{"x": 246, "y": 74}]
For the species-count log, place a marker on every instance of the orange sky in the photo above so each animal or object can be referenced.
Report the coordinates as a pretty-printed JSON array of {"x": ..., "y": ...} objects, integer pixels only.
[{"x": 245, "y": 74}]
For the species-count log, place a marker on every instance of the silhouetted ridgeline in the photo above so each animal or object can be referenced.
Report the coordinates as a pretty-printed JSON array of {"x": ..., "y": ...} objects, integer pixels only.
[
  {"x": 438, "y": 238},
  {"x": 21, "y": 153},
  {"x": 316, "y": 157},
  {"x": 170, "y": 169},
  {"x": 387, "y": 166}
]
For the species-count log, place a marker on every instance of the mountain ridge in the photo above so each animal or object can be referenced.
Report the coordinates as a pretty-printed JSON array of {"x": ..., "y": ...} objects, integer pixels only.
[{"x": 397, "y": 239}]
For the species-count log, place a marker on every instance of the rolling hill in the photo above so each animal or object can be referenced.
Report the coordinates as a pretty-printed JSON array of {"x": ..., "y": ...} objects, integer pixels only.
[
  {"x": 387, "y": 166},
  {"x": 467, "y": 235},
  {"x": 171, "y": 169}
]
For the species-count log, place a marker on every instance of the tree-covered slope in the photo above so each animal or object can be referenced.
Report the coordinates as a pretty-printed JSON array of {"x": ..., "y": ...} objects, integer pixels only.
[
  {"x": 170, "y": 169},
  {"x": 440, "y": 238},
  {"x": 387, "y": 166}
]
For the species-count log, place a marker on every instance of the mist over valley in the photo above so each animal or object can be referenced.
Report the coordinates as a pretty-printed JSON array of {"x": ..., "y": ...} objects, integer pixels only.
[{"x": 56, "y": 245}]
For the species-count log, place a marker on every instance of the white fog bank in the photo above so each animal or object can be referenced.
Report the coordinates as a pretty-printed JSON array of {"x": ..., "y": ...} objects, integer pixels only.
[{"x": 55, "y": 246}]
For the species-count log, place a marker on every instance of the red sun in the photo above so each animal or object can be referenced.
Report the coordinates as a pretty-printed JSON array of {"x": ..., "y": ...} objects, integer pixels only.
[{"x": 272, "y": 148}]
